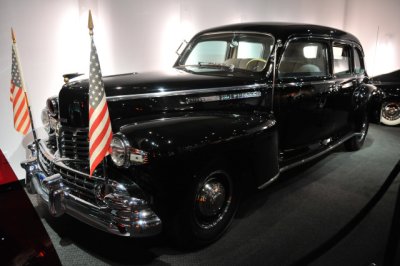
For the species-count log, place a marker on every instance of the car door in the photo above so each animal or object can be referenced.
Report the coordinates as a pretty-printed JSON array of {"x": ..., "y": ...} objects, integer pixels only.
[
  {"x": 303, "y": 84},
  {"x": 346, "y": 81}
]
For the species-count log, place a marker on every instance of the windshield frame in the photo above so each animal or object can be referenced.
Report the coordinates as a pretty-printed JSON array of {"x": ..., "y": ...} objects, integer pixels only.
[{"x": 195, "y": 40}]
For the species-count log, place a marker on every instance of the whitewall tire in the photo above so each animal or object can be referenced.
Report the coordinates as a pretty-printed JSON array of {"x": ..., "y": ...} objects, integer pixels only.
[{"x": 390, "y": 113}]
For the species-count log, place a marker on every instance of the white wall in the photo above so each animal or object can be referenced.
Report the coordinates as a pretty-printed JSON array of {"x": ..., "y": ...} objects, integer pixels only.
[
  {"x": 363, "y": 19},
  {"x": 136, "y": 35}
]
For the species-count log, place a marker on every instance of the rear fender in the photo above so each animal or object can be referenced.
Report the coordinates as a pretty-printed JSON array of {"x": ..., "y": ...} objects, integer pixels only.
[{"x": 363, "y": 96}]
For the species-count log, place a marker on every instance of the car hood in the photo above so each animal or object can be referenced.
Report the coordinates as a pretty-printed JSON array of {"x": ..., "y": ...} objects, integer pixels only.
[
  {"x": 173, "y": 79},
  {"x": 134, "y": 96}
]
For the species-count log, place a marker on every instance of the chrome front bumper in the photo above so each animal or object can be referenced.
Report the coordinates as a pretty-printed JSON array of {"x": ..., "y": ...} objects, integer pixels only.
[{"x": 119, "y": 213}]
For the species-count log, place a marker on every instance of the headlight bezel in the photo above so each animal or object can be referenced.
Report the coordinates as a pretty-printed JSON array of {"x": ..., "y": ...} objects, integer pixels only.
[
  {"x": 125, "y": 146},
  {"x": 49, "y": 115},
  {"x": 131, "y": 156},
  {"x": 45, "y": 117},
  {"x": 52, "y": 106}
]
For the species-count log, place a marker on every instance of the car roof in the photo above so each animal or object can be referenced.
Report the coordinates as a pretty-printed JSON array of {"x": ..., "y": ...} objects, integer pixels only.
[{"x": 284, "y": 30}]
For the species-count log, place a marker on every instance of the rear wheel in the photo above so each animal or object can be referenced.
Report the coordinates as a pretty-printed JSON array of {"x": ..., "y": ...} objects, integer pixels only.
[
  {"x": 390, "y": 113},
  {"x": 207, "y": 209},
  {"x": 356, "y": 142}
]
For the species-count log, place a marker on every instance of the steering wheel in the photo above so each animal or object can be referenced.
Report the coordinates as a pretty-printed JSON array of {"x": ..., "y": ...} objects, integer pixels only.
[{"x": 255, "y": 60}]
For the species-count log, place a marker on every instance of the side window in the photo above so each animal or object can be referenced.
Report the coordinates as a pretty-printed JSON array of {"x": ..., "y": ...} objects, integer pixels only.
[
  {"x": 341, "y": 60},
  {"x": 304, "y": 59},
  {"x": 358, "y": 64}
]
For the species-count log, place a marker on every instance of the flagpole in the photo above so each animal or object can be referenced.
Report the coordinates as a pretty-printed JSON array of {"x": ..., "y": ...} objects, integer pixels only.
[
  {"x": 105, "y": 172},
  {"x": 14, "y": 47}
]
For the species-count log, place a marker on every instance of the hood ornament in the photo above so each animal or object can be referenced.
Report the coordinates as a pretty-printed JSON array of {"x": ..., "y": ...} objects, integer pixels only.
[{"x": 69, "y": 76}]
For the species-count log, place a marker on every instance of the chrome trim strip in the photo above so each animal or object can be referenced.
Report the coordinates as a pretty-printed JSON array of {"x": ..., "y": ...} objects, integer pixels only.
[
  {"x": 346, "y": 85},
  {"x": 270, "y": 181},
  {"x": 290, "y": 166},
  {"x": 328, "y": 82},
  {"x": 183, "y": 92},
  {"x": 223, "y": 97}
]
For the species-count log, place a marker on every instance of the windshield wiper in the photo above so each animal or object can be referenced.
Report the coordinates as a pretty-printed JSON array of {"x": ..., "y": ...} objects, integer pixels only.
[
  {"x": 212, "y": 65},
  {"x": 216, "y": 65}
]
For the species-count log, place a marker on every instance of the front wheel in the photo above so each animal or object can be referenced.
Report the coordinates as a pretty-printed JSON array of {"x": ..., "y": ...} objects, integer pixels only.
[
  {"x": 356, "y": 142},
  {"x": 390, "y": 113},
  {"x": 208, "y": 208}
]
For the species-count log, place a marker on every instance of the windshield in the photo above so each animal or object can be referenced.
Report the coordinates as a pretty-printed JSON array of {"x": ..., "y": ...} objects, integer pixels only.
[{"x": 229, "y": 52}]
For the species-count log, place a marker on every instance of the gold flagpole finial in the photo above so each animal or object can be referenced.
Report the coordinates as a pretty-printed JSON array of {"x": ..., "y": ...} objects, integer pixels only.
[
  {"x": 90, "y": 23},
  {"x": 13, "y": 36}
]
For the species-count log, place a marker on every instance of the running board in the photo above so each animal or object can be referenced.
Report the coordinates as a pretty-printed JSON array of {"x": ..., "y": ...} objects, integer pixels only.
[{"x": 308, "y": 159}]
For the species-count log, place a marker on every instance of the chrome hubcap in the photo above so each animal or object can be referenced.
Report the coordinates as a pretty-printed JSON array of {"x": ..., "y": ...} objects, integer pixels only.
[
  {"x": 391, "y": 111},
  {"x": 213, "y": 199}
]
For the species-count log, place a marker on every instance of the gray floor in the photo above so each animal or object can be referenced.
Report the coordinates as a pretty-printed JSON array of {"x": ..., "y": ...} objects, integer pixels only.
[{"x": 276, "y": 226}]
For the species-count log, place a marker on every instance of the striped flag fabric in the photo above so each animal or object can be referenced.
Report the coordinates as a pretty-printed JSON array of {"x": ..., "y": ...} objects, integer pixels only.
[
  {"x": 22, "y": 121},
  {"x": 100, "y": 133}
]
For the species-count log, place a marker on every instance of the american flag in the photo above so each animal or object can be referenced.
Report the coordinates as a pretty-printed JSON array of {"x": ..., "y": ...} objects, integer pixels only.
[
  {"x": 100, "y": 133},
  {"x": 22, "y": 121}
]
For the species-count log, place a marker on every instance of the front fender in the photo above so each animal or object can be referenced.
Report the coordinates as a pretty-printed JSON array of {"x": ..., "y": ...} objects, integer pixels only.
[
  {"x": 176, "y": 135},
  {"x": 248, "y": 139}
]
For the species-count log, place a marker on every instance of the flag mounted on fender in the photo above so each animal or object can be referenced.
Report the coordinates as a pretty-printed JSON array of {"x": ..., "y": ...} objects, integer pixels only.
[
  {"x": 21, "y": 115},
  {"x": 100, "y": 133}
]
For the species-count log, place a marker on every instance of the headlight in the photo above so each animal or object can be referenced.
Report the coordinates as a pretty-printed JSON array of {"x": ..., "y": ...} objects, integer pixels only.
[
  {"x": 46, "y": 120},
  {"x": 123, "y": 155},
  {"x": 52, "y": 106},
  {"x": 119, "y": 154}
]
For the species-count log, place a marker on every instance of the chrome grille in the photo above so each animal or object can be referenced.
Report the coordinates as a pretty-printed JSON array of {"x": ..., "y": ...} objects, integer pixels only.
[
  {"x": 73, "y": 143},
  {"x": 75, "y": 174},
  {"x": 80, "y": 185}
]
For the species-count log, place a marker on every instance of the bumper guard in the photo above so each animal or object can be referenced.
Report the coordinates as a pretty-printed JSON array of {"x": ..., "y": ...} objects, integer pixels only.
[{"x": 120, "y": 214}]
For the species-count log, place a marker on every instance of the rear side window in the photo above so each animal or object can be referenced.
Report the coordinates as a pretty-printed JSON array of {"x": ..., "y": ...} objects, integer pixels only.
[
  {"x": 358, "y": 64},
  {"x": 304, "y": 59},
  {"x": 341, "y": 60}
]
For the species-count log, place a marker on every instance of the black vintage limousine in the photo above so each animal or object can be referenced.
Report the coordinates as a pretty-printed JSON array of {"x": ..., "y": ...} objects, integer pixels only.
[{"x": 242, "y": 104}]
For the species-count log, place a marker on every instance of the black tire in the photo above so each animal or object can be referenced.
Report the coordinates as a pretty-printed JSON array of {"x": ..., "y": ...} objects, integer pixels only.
[
  {"x": 207, "y": 209},
  {"x": 390, "y": 113},
  {"x": 356, "y": 142}
]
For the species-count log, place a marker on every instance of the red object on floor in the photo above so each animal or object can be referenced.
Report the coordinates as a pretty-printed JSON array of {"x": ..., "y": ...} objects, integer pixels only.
[
  {"x": 23, "y": 238},
  {"x": 7, "y": 175}
]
